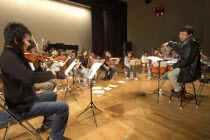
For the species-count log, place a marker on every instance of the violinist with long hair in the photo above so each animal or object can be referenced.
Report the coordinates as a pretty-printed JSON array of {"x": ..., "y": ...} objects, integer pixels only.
[
  {"x": 83, "y": 69},
  {"x": 109, "y": 69},
  {"x": 129, "y": 68},
  {"x": 18, "y": 82}
]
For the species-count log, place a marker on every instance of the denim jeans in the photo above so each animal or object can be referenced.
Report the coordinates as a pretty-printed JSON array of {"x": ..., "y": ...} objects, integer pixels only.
[
  {"x": 129, "y": 70},
  {"x": 54, "y": 112}
]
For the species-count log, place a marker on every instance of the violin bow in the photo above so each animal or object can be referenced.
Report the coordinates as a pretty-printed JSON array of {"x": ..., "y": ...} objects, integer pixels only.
[{"x": 35, "y": 43}]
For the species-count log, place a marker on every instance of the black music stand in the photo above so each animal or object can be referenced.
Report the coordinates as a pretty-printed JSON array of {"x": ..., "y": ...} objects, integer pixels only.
[
  {"x": 160, "y": 84},
  {"x": 91, "y": 105},
  {"x": 73, "y": 86}
]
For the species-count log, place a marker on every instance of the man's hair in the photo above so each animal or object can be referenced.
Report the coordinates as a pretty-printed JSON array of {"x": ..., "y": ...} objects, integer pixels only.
[
  {"x": 32, "y": 45},
  {"x": 15, "y": 31},
  {"x": 188, "y": 29}
]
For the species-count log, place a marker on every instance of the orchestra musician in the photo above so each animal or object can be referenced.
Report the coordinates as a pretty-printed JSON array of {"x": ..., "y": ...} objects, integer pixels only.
[
  {"x": 109, "y": 69},
  {"x": 145, "y": 62},
  {"x": 173, "y": 55},
  {"x": 83, "y": 69},
  {"x": 188, "y": 67},
  {"x": 46, "y": 86},
  {"x": 157, "y": 54},
  {"x": 74, "y": 55},
  {"x": 18, "y": 82},
  {"x": 202, "y": 55},
  {"x": 55, "y": 64},
  {"x": 129, "y": 68}
]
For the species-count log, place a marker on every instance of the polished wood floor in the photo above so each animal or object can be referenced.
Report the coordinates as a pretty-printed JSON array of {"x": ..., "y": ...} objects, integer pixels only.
[{"x": 153, "y": 121}]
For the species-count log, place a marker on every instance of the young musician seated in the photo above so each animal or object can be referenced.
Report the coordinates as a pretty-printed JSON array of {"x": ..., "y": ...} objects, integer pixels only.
[
  {"x": 74, "y": 55},
  {"x": 108, "y": 68},
  {"x": 202, "y": 55},
  {"x": 157, "y": 54},
  {"x": 129, "y": 68},
  {"x": 173, "y": 55},
  {"x": 83, "y": 69},
  {"x": 188, "y": 67},
  {"x": 18, "y": 82},
  {"x": 46, "y": 86},
  {"x": 145, "y": 62}
]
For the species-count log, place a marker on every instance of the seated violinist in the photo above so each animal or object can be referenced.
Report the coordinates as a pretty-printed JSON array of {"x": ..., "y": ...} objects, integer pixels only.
[
  {"x": 83, "y": 69},
  {"x": 54, "y": 65},
  {"x": 173, "y": 55},
  {"x": 107, "y": 67},
  {"x": 46, "y": 86},
  {"x": 157, "y": 54},
  {"x": 19, "y": 80},
  {"x": 74, "y": 55},
  {"x": 129, "y": 68},
  {"x": 94, "y": 56},
  {"x": 145, "y": 62},
  {"x": 202, "y": 55}
]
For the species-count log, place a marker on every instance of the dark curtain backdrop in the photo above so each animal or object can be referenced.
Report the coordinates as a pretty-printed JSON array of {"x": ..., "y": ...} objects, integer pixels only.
[{"x": 109, "y": 28}]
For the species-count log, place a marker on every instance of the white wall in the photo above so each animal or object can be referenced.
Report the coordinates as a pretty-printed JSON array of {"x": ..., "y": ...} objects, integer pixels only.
[{"x": 54, "y": 21}]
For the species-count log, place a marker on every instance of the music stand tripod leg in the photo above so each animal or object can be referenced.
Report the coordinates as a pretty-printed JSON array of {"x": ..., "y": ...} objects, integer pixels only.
[{"x": 91, "y": 105}]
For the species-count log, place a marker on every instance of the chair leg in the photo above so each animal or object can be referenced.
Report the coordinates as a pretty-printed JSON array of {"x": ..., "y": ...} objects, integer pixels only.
[
  {"x": 182, "y": 96},
  {"x": 170, "y": 97},
  {"x": 6, "y": 131},
  {"x": 24, "y": 127},
  {"x": 196, "y": 101},
  {"x": 34, "y": 130}
]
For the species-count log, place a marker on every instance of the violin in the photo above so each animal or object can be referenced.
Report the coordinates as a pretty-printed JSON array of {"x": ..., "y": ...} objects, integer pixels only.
[
  {"x": 60, "y": 58},
  {"x": 33, "y": 58}
]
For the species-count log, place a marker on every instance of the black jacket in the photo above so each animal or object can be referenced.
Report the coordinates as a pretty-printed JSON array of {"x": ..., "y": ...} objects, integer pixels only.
[
  {"x": 189, "y": 63},
  {"x": 18, "y": 80}
]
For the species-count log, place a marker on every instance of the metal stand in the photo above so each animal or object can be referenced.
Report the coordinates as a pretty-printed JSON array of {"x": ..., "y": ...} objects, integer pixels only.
[
  {"x": 160, "y": 84},
  {"x": 91, "y": 105},
  {"x": 73, "y": 87}
]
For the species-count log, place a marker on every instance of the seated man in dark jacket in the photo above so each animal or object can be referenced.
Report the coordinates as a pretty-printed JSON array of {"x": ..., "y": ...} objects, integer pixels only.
[
  {"x": 18, "y": 82},
  {"x": 188, "y": 68}
]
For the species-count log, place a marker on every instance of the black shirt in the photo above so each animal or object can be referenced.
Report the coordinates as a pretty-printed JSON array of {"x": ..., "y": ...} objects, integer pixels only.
[
  {"x": 18, "y": 80},
  {"x": 84, "y": 61}
]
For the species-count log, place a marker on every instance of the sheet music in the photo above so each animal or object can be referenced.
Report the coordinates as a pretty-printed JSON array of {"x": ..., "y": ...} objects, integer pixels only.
[
  {"x": 70, "y": 67},
  {"x": 154, "y": 58},
  {"x": 117, "y": 61},
  {"x": 93, "y": 70},
  {"x": 133, "y": 62}
]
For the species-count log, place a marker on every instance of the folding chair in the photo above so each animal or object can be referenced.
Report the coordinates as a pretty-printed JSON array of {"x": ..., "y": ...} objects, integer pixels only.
[{"x": 7, "y": 119}]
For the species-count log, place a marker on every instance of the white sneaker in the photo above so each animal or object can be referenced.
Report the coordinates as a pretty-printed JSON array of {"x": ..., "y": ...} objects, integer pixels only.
[
  {"x": 136, "y": 79},
  {"x": 126, "y": 78}
]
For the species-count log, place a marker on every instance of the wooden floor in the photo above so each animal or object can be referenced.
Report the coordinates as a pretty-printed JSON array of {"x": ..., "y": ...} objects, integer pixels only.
[{"x": 153, "y": 121}]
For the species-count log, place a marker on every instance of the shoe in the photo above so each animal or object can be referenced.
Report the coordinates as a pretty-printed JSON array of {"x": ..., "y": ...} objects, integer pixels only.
[
  {"x": 68, "y": 89},
  {"x": 45, "y": 127},
  {"x": 85, "y": 85},
  {"x": 136, "y": 79},
  {"x": 126, "y": 78},
  {"x": 177, "y": 94},
  {"x": 64, "y": 138}
]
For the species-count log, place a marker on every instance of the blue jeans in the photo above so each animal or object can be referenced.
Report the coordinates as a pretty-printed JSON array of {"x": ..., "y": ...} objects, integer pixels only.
[
  {"x": 54, "y": 112},
  {"x": 129, "y": 70}
]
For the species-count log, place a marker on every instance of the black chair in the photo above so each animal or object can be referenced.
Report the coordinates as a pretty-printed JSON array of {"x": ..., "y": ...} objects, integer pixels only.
[
  {"x": 7, "y": 119},
  {"x": 183, "y": 95}
]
